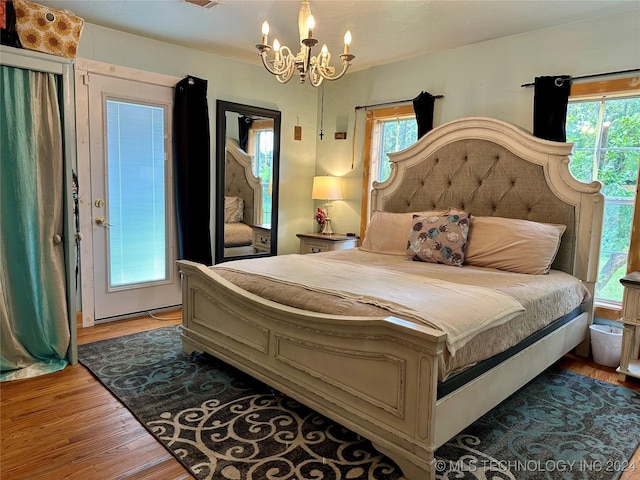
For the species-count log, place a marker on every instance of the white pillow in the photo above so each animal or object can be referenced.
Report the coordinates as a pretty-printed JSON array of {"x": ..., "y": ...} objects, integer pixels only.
[
  {"x": 388, "y": 232},
  {"x": 520, "y": 246}
]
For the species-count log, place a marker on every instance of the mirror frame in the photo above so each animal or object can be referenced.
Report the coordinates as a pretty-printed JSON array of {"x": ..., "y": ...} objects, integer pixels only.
[{"x": 222, "y": 107}]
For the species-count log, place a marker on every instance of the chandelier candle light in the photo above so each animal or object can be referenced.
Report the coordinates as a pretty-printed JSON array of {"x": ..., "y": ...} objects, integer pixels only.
[
  {"x": 285, "y": 63},
  {"x": 326, "y": 188}
]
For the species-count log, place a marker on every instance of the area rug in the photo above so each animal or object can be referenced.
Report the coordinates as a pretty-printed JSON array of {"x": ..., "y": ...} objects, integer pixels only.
[{"x": 222, "y": 424}]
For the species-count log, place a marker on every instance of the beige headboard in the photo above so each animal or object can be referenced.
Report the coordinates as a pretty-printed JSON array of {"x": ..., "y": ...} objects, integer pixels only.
[
  {"x": 240, "y": 182},
  {"x": 489, "y": 167}
]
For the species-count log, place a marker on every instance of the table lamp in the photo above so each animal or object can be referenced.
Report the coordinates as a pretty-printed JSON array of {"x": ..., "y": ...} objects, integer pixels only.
[{"x": 327, "y": 188}]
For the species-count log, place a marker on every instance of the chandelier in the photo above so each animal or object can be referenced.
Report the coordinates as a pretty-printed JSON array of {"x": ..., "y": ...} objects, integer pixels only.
[{"x": 316, "y": 68}]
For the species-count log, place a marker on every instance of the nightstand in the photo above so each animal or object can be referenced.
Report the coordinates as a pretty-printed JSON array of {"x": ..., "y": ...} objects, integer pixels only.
[
  {"x": 261, "y": 238},
  {"x": 318, "y": 242},
  {"x": 629, "y": 362}
]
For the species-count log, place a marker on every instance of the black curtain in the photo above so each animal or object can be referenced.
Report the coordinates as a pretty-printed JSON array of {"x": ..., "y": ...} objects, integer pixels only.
[
  {"x": 244, "y": 125},
  {"x": 423, "y": 106},
  {"x": 192, "y": 164},
  {"x": 550, "y": 107}
]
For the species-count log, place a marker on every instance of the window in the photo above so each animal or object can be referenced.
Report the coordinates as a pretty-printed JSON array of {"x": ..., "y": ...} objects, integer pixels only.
[
  {"x": 263, "y": 168},
  {"x": 387, "y": 130},
  {"x": 261, "y": 147},
  {"x": 391, "y": 136},
  {"x": 605, "y": 131}
]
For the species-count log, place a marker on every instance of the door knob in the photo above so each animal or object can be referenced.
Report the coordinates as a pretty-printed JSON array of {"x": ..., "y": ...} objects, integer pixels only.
[{"x": 102, "y": 222}]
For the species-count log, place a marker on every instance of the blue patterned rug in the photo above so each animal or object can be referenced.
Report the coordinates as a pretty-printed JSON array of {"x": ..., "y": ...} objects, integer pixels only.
[{"x": 222, "y": 424}]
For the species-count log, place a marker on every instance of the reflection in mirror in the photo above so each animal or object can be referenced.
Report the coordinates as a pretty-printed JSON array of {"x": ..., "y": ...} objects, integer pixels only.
[{"x": 247, "y": 167}]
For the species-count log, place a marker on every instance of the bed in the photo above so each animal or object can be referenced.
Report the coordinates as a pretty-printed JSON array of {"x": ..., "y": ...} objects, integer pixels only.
[
  {"x": 381, "y": 370},
  {"x": 243, "y": 201}
]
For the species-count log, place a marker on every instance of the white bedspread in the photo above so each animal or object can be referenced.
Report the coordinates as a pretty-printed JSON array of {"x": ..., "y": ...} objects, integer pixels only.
[{"x": 461, "y": 311}]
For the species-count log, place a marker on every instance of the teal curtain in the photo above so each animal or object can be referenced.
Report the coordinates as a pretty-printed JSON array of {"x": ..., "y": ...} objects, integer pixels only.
[{"x": 33, "y": 310}]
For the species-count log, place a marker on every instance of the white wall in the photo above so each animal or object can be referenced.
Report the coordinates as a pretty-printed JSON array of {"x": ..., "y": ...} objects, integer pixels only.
[
  {"x": 478, "y": 80},
  {"x": 236, "y": 82}
]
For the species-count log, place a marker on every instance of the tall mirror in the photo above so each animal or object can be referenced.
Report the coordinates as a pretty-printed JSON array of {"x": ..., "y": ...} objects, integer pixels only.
[{"x": 247, "y": 169}]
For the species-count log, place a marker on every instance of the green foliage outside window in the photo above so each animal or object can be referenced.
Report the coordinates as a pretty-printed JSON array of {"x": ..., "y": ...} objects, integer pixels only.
[
  {"x": 263, "y": 167},
  {"x": 606, "y": 137},
  {"x": 395, "y": 135}
]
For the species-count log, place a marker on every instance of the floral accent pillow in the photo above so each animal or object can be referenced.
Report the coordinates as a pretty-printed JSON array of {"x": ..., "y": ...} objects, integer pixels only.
[{"x": 439, "y": 238}]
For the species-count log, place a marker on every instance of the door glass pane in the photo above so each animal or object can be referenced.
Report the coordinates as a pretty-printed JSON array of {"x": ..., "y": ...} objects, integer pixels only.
[
  {"x": 136, "y": 194},
  {"x": 606, "y": 134}
]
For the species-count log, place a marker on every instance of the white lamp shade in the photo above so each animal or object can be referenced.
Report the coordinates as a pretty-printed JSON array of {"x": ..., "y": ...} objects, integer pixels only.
[{"x": 327, "y": 188}]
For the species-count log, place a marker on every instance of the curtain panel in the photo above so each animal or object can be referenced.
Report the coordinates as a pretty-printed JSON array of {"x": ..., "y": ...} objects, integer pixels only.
[
  {"x": 550, "y": 100},
  {"x": 244, "y": 127},
  {"x": 192, "y": 167},
  {"x": 33, "y": 306},
  {"x": 423, "y": 106}
]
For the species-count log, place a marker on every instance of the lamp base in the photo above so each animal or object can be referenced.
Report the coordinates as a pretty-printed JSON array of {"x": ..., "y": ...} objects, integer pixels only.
[{"x": 327, "y": 230}]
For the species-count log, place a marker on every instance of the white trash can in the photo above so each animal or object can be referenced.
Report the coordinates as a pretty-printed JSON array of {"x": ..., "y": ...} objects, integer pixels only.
[{"x": 606, "y": 344}]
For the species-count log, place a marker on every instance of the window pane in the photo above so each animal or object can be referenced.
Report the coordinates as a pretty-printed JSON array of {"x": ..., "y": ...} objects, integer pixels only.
[
  {"x": 582, "y": 122},
  {"x": 395, "y": 135},
  {"x": 136, "y": 193},
  {"x": 614, "y": 248},
  {"x": 263, "y": 168},
  {"x": 606, "y": 135}
]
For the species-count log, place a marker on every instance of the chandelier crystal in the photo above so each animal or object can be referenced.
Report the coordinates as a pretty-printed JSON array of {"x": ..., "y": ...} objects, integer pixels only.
[{"x": 317, "y": 68}]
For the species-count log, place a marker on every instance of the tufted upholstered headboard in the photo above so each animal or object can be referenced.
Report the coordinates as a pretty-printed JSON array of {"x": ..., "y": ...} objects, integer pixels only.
[
  {"x": 240, "y": 182},
  {"x": 489, "y": 167}
]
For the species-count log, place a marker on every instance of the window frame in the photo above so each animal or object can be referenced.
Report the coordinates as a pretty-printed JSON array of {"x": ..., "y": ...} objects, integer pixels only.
[
  {"x": 374, "y": 116},
  {"x": 617, "y": 87}
]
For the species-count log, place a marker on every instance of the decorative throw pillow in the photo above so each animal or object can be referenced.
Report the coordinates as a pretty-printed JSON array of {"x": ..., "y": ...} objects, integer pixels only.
[
  {"x": 439, "y": 238},
  {"x": 233, "y": 209},
  {"x": 520, "y": 246},
  {"x": 386, "y": 232}
]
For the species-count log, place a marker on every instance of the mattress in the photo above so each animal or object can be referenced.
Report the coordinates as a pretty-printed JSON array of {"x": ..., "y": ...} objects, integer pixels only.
[{"x": 544, "y": 298}]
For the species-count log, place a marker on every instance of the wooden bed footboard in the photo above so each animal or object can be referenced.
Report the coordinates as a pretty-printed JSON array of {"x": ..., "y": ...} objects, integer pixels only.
[
  {"x": 375, "y": 376},
  {"x": 381, "y": 384}
]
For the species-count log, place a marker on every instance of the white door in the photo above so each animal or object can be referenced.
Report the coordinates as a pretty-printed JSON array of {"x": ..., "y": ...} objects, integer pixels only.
[{"x": 131, "y": 197}]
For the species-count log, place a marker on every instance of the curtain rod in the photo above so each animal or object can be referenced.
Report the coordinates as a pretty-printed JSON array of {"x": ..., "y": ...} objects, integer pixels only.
[
  {"x": 595, "y": 75},
  {"x": 359, "y": 107}
]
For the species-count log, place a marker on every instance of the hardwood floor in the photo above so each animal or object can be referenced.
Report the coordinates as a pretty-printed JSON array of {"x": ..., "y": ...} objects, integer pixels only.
[{"x": 66, "y": 425}]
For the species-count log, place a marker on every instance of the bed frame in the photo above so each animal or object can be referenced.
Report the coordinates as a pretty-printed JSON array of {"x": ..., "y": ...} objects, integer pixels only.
[{"x": 378, "y": 376}]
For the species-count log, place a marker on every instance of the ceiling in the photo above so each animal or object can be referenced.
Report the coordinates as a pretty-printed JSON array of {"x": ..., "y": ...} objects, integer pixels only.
[{"x": 383, "y": 31}]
